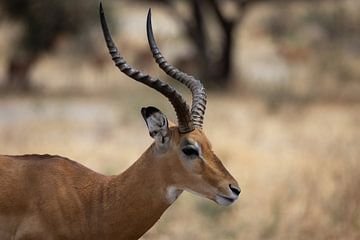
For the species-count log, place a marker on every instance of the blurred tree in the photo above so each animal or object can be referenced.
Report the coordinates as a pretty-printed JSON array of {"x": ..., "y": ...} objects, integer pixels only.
[
  {"x": 213, "y": 66},
  {"x": 43, "y": 21},
  {"x": 207, "y": 22},
  {"x": 215, "y": 61}
]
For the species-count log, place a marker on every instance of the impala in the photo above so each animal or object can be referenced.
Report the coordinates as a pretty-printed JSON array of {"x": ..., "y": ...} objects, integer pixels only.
[{"x": 51, "y": 197}]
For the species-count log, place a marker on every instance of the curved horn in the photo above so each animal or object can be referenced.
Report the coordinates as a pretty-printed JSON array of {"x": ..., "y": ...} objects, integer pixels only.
[
  {"x": 197, "y": 89},
  {"x": 175, "y": 98}
]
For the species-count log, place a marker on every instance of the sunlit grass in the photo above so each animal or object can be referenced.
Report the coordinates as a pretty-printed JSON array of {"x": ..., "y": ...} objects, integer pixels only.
[{"x": 298, "y": 167}]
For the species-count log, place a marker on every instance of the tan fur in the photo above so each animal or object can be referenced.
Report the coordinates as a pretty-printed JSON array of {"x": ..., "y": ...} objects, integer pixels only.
[{"x": 51, "y": 197}]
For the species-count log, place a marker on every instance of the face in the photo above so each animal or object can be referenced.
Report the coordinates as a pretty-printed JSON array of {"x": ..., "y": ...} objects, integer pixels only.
[
  {"x": 201, "y": 170},
  {"x": 192, "y": 163}
]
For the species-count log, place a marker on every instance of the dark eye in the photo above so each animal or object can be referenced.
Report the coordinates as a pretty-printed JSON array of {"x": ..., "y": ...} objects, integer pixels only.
[{"x": 190, "y": 151}]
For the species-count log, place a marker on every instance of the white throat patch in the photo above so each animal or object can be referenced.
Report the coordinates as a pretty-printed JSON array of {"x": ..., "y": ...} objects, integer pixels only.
[{"x": 172, "y": 193}]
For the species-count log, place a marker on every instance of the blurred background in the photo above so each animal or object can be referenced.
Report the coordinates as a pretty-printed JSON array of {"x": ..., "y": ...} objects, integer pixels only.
[{"x": 283, "y": 82}]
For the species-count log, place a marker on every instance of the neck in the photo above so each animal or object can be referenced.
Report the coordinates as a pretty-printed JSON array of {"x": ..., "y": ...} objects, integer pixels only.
[{"x": 136, "y": 199}]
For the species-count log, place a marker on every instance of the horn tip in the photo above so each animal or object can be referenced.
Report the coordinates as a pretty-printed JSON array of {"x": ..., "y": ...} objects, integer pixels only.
[
  {"x": 101, "y": 7},
  {"x": 149, "y": 16}
]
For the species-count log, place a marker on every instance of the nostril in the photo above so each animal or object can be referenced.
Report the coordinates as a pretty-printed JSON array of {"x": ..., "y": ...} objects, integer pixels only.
[{"x": 234, "y": 189}]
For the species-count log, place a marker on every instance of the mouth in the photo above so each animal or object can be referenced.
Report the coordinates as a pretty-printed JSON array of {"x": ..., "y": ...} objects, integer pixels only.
[{"x": 223, "y": 200}]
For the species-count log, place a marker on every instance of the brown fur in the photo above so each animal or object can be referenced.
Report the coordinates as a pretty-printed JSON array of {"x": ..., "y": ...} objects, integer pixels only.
[{"x": 51, "y": 197}]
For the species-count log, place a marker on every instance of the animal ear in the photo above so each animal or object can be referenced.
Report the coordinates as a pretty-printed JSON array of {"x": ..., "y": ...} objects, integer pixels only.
[{"x": 157, "y": 124}]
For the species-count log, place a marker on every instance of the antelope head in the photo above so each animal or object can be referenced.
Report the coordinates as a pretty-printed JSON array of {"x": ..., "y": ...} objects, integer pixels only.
[{"x": 183, "y": 152}]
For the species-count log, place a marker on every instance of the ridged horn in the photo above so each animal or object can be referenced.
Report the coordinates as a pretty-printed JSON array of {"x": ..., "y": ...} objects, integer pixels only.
[
  {"x": 175, "y": 98},
  {"x": 197, "y": 89}
]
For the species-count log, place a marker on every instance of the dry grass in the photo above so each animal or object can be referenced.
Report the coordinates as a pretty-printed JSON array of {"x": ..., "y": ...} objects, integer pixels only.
[{"x": 298, "y": 167}]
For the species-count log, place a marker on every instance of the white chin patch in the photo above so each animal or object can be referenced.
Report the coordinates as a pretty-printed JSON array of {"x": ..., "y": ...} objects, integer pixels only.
[{"x": 223, "y": 201}]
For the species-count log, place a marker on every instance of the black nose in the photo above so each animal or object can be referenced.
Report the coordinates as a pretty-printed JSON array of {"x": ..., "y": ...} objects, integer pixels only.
[{"x": 236, "y": 190}]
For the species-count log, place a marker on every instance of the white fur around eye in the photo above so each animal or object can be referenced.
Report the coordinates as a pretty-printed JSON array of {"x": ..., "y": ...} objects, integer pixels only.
[{"x": 197, "y": 146}]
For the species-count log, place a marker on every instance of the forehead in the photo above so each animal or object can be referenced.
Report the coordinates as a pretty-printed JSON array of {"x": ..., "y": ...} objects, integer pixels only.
[{"x": 195, "y": 137}]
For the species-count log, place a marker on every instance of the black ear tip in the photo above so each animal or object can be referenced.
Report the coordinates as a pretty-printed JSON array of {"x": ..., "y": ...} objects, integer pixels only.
[
  {"x": 143, "y": 112},
  {"x": 147, "y": 111}
]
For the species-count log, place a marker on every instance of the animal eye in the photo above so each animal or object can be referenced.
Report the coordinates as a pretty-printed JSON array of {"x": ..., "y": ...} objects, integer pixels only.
[{"x": 190, "y": 151}]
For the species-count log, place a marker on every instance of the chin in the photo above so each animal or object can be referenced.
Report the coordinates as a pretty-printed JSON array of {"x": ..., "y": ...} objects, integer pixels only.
[{"x": 224, "y": 201}]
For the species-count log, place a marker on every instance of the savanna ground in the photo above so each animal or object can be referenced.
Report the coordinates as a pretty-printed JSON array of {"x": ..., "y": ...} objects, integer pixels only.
[
  {"x": 298, "y": 168},
  {"x": 297, "y": 162}
]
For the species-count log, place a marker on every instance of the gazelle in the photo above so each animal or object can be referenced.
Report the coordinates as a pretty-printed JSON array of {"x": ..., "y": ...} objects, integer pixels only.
[{"x": 51, "y": 197}]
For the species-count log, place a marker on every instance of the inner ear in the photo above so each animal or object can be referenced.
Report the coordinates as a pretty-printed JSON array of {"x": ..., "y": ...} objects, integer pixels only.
[{"x": 156, "y": 123}]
